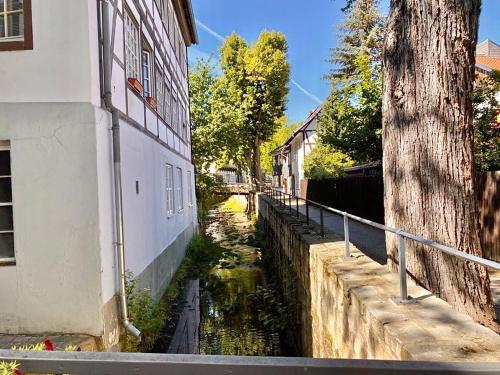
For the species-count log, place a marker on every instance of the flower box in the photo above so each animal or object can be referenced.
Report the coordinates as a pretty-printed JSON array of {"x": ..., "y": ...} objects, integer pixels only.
[
  {"x": 151, "y": 101},
  {"x": 134, "y": 82}
]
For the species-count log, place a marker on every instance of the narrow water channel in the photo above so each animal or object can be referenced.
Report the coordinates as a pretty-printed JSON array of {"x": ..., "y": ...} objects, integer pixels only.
[{"x": 231, "y": 321}]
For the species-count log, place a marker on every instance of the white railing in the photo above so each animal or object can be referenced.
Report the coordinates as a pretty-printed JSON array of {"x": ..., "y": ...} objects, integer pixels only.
[{"x": 286, "y": 200}]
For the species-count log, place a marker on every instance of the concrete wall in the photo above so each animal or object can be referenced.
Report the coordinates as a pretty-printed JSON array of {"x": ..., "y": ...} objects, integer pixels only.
[{"x": 343, "y": 308}]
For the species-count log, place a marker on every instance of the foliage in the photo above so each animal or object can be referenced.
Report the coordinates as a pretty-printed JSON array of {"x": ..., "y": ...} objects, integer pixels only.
[
  {"x": 283, "y": 132},
  {"x": 272, "y": 313},
  {"x": 486, "y": 124},
  {"x": 351, "y": 119},
  {"x": 147, "y": 315},
  {"x": 215, "y": 118},
  {"x": 234, "y": 204},
  {"x": 208, "y": 192},
  {"x": 324, "y": 161},
  {"x": 361, "y": 34},
  {"x": 235, "y": 112}
]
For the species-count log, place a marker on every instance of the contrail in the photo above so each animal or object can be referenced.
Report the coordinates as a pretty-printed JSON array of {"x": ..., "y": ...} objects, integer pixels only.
[
  {"x": 214, "y": 33},
  {"x": 304, "y": 91},
  {"x": 219, "y": 37}
]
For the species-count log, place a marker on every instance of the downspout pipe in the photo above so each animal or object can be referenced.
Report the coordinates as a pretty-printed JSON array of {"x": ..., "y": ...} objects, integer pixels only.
[{"x": 115, "y": 120}]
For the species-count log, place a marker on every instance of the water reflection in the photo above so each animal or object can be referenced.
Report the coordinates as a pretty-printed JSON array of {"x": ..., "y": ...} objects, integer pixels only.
[{"x": 229, "y": 324}]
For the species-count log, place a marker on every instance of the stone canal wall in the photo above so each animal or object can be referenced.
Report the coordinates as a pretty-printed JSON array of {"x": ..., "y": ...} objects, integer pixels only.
[{"x": 343, "y": 308}]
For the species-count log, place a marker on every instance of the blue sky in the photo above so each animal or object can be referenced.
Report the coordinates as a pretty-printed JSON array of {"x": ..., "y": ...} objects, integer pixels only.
[{"x": 310, "y": 28}]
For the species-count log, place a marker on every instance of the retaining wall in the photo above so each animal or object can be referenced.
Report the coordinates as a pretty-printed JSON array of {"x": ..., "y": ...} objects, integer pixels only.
[{"x": 343, "y": 309}]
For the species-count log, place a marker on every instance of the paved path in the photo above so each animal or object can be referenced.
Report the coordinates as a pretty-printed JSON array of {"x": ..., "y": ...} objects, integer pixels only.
[{"x": 369, "y": 240}]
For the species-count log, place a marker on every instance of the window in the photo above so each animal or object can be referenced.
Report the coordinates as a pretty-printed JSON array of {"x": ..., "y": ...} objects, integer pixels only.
[
  {"x": 132, "y": 49},
  {"x": 167, "y": 107},
  {"x": 170, "y": 189},
  {"x": 15, "y": 25},
  {"x": 159, "y": 92},
  {"x": 178, "y": 189},
  {"x": 190, "y": 188},
  {"x": 175, "y": 117},
  {"x": 6, "y": 218},
  {"x": 146, "y": 72}
]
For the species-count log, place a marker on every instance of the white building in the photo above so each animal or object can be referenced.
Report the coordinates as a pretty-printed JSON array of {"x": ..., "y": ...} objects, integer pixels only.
[
  {"x": 66, "y": 67},
  {"x": 288, "y": 159}
]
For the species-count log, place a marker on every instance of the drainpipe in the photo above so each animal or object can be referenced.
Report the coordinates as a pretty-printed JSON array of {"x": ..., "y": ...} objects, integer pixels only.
[{"x": 115, "y": 119}]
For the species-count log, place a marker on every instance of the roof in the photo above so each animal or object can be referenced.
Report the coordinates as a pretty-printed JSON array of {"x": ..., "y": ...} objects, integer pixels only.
[
  {"x": 488, "y": 48},
  {"x": 184, "y": 10},
  {"x": 299, "y": 130},
  {"x": 489, "y": 62}
]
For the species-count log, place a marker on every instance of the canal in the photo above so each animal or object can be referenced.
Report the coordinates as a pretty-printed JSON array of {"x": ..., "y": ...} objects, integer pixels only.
[{"x": 240, "y": 310}]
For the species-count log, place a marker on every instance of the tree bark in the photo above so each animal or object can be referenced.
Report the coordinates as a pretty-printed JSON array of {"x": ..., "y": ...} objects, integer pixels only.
[{"x": 428, "y": 161}]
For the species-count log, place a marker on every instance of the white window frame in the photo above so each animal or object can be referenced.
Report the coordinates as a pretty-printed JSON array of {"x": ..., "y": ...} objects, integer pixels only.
[
  {"x": 5, "y": 146},
  {"x": 5, "y": 13},
  {"x": 179, "y": 190},
  {"x": 169, "y": 189},
  {"x": 190, "y": 188},
  {"x": 168, "y": 103},
  {"x": 159, "y": 93},
  {"x": 175, "y": 112},
  {"x": 146, "y": 68},
  {"x": 132, "y": 47}
]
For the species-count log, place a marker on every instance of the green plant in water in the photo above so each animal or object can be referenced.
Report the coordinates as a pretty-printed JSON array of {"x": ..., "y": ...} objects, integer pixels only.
[{"x": 272, "y": 313}]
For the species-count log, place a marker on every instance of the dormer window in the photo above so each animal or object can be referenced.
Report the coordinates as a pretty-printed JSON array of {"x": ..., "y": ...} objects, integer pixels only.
[{"x": 15, "y": 25}]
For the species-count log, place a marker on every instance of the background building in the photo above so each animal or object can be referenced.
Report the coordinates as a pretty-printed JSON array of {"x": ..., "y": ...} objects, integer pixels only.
[
  {"x": 58, "y": 255},
  {"x": 288, "y": 159}
]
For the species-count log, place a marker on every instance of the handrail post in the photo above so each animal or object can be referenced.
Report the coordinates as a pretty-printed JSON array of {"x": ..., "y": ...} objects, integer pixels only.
[
  {"x": 290, "y": 203},
  {"x": 297, "y": 205},
  {"x": 403, "y": 287},
  {"x": 347, "y": 253},
  {"x": 307, "y": 212},
  {"x": 321, "y": 221}
]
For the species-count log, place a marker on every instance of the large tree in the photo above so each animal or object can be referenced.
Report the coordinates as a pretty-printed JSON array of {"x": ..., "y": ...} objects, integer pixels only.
[
  {"x": 257, "y": 76},
  {"x": 428, "y": 159},
  {"x": 351, "y": 119}
]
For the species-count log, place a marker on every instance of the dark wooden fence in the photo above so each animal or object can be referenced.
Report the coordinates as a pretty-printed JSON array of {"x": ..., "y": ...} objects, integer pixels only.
[{"x": 364, "y": 196}]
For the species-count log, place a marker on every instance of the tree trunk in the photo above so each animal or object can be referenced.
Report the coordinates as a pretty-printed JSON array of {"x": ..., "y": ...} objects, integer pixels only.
[
  {"x": 428, "y": 147},
  {"x": 256, "y": 170}
]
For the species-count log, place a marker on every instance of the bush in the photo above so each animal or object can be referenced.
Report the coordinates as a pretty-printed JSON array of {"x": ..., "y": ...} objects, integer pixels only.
[
  {"x": 324, "y": 161},
  {"x": 146, "y": 314}
]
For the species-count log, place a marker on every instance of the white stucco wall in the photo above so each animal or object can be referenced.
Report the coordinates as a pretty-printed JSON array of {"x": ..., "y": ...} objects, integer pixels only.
[
  {"x": 55, "y": 285},
  {"x": 148, "y": 229},
  {"x": 63, "y": 65}
]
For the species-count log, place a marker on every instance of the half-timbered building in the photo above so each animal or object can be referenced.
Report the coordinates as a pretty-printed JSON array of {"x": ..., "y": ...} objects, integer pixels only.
[{"x": 96, "y": 175}]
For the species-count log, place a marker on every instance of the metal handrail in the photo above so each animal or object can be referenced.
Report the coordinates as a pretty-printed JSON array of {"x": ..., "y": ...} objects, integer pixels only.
[
  {"x": 84, "y": 363},
  {"x": 402, "y": 235}
]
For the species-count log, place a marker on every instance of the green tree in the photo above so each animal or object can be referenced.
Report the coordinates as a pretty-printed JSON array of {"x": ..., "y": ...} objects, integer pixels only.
[
  {"x": 351, "y": 119},
  {"x": 283, "y": 132},
  {"x": 486, "y": 128},
  {"x": 324, "y": 161},
  {"x": 256, "y": 78},
  {"x": 215, "y": 121}
]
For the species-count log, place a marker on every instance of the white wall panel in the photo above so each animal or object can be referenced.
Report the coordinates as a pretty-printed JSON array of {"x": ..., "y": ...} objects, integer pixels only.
[
  {"x": 151, "y": 121},
  {"x": 135, "y": 107},
  {"x": 118, "y": 87}
]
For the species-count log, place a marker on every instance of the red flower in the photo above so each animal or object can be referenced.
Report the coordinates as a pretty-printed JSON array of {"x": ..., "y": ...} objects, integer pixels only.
[
  {"x": 17, "y": 372},
  {"x": 49, "y": 346}
]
